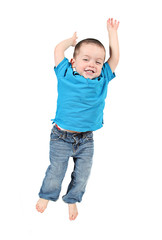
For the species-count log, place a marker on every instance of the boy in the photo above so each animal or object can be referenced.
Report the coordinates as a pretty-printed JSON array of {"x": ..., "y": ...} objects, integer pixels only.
[{"x": 82, "y": 89}]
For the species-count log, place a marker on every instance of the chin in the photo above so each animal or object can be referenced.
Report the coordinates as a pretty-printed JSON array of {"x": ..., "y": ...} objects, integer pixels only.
[{"x": 89, "y": 76}]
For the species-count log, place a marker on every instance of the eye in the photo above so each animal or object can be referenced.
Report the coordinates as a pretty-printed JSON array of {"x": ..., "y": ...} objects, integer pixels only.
[
  {"x": 98, "y": 63},
  {"x": 85, "y": 59}
]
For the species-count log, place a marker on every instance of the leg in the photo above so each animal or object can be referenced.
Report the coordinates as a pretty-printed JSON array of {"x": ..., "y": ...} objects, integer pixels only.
[
  {"x": 52, "y": 182},
  {"x": 80, "y": 174},
  {"x": 51, "y": 187}
]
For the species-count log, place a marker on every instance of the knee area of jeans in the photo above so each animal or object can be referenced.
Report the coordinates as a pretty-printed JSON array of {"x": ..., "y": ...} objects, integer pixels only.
[
  {"x": 52, "y": 186},
  {"x": 57, "y": 167},
  {"x": 80, "y": 183}
]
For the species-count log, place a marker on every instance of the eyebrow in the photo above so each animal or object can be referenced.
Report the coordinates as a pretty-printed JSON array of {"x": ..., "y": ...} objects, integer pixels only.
[
  {"x": 100, "y": 59},
  {"x": 97, "y": 58}
]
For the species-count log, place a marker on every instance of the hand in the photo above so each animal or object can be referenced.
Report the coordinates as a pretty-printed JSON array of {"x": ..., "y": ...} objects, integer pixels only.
[
  {"x": 112, "y": 25},
  {"x": 74, "y": 39}
]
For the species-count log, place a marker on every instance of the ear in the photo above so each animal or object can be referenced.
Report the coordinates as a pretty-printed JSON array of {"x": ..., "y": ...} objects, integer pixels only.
[{"x": 72, "y": 61}]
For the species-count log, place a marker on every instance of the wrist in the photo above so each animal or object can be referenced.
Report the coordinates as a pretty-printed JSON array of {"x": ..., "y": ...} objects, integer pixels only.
[
  {"x": 69, "y": 42},
  {"x": 65, "y": 44},
  {"x": 112, "y": 31}
]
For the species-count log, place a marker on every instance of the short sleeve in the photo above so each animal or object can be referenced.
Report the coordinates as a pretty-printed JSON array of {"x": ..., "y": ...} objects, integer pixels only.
[
  {"x": 107, "y": 72},
  {"x": 62, "y": 67}
]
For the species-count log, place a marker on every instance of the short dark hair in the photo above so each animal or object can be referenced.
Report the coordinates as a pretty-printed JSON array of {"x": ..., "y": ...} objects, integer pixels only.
[{"x": 87, "y": 41}]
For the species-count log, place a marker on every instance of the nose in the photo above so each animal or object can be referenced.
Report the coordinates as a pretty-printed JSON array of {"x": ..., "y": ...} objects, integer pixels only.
[{"x": 91, "y": 64}]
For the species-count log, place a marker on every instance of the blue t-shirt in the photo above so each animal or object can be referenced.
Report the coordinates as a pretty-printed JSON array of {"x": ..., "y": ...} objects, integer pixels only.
[{"x": 81, "y": 101}]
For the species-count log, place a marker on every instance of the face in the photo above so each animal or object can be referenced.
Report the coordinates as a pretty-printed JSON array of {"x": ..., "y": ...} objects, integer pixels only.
[{"x": 89, "y": 60}]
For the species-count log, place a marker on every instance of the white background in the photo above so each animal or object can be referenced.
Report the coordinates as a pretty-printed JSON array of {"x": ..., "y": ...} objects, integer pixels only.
[{"x": 124, "y": 194}]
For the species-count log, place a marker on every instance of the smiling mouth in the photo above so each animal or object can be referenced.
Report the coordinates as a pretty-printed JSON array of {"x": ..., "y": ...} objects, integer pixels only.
[{"x": 89, "y": 71}]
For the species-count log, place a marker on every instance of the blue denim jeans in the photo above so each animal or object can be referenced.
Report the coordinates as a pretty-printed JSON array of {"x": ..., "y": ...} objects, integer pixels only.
[{"x": 64, "y": 145}]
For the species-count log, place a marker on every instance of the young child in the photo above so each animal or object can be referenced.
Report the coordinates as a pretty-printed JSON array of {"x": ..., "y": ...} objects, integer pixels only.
[{"x": 82, "y": 90}]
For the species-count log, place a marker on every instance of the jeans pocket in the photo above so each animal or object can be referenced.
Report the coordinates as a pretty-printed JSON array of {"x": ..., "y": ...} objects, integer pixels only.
[
  {"x": 89, "y": 137},
  {"x": 54, "y": 136}
]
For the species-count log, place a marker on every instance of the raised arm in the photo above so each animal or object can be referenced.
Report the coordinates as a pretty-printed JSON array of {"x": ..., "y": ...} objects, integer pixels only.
[
  {"x": 62, "y": 46},
  {"x": 112, "y": 27}
]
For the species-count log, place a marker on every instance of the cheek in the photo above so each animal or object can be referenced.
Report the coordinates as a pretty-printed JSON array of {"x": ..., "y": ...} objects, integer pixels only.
[
  {"x": 82, "y": 66},
  {"x": 99, "y": 69}
]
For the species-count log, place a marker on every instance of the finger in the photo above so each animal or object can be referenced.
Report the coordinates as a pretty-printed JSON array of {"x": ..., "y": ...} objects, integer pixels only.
[
  {"x": 112, "y": 22},
  {"x": 116, "y": 23},
  {"x": 109, "y": 22},
  {"x": 75, "y": 35}
]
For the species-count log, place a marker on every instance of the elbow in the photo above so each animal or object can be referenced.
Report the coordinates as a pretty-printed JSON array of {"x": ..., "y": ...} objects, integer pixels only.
[
  {"x": 117, "y": 56},
  {"x": 116, "y": 60},
  {"x": 56, "y": 49}
]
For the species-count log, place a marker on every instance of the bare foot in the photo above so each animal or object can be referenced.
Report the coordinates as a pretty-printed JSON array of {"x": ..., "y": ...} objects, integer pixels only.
[
  {"x": 73, "y": 212},
  {"x": 41, "y": 205}
]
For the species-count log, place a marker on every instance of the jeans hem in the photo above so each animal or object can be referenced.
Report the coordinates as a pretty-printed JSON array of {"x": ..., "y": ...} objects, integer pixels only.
[
  {"x": 48, "y": 198},
  {"x": 70, "y": 202}
]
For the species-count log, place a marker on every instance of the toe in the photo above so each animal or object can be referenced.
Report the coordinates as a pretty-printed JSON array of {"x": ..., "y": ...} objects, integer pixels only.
[{"x": 37, "y": 207}]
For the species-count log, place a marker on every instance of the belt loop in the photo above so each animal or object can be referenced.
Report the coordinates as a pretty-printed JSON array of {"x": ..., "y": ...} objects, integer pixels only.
[
  {"x": 65, "y": 134},
  {"x": 84, "y": 134}
]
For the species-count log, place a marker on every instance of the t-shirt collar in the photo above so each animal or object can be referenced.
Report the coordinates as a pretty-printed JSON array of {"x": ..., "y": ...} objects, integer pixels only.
[{"x": 98, "y": 78}]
